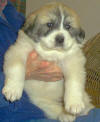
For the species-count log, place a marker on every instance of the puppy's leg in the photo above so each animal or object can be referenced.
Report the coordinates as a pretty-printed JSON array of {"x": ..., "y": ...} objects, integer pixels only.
[
  {"x": 53, "y": 109},
  {"x": 75, "y": 76},
  {"x": 65, "y": 117},
  {"x": 14, "y": 69},
  {"x": 48, "y": 96},
  {"x": 14, "y": 81}
]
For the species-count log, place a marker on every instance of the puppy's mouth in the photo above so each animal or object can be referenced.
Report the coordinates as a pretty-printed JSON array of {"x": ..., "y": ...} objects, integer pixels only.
[{"x": 56, "y": 48}]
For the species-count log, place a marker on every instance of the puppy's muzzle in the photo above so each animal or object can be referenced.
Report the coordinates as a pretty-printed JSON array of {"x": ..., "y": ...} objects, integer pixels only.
[{"x": 59, "y": 39}]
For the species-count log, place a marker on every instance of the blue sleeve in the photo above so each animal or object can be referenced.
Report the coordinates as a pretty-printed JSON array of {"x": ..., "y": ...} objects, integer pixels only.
[
  {"x": 9, "y": 29},
  {"x": 14, "y": 18}
]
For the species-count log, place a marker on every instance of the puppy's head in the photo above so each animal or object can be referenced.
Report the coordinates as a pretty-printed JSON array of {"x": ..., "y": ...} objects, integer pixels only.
[{"x": 54, "y": 26}]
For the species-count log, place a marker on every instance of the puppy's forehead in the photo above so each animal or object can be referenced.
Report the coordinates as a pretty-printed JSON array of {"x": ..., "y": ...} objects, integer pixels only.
[
  {"x": 50, "y": 14},
  {"x": 53, "y": 11},
  {"x": 56, "y": 11}
]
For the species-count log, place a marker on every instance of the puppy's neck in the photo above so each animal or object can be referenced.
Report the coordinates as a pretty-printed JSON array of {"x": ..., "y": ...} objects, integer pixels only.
[{"x": 50, "y": 55}]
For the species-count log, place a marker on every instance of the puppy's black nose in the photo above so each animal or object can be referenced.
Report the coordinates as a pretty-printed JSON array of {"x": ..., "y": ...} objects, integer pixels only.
[{"x": 59, "y": 39}]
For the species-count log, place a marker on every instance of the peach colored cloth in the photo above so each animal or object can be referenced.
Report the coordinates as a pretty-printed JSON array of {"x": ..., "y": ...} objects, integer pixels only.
[{"x": 42, "y": 70}]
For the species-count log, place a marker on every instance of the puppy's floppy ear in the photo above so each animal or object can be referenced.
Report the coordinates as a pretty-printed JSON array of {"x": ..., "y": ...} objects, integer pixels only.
[
  {"x": 80, "y": 36},
  {"x": 29, "y": 26}
]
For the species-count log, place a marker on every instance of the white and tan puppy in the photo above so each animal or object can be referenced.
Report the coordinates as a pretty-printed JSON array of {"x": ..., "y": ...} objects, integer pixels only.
[{"x": 54, "y": 32}]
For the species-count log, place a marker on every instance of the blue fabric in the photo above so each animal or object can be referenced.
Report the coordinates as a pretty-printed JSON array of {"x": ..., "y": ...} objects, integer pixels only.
[
  {"x": 22, "y": 110},
  {"x": 9, "y": 29}
]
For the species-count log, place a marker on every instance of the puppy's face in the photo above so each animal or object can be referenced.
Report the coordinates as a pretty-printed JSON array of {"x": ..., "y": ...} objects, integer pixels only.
[{"x": 54, "y": 26}]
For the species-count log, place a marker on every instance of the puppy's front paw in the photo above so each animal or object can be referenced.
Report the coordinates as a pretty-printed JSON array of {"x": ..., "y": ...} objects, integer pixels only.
[
  {"x": 12, "y": 92},
  {"x": 66, "y": 118},
  {"x": 75, "y": 106}
]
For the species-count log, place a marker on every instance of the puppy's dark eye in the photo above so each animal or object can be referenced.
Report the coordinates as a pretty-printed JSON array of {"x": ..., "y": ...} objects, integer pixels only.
[
  {"x": 67, "y": 26},
  {"x": 50, "y": 25}
]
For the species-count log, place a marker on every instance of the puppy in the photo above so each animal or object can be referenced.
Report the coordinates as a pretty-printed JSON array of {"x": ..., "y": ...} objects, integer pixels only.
[{"x": 54, "y": 32}]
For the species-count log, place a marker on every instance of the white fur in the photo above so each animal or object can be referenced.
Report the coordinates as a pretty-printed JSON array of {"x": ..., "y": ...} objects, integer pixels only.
[{"x": 49, "y": 96}]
